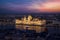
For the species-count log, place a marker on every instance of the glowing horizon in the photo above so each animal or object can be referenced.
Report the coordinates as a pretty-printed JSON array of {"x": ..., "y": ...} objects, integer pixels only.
[{"x": 31, "y": 5}]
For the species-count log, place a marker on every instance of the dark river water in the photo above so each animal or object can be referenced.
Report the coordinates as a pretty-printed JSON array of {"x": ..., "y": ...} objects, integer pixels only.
[
  {"x": 50, "y": 29},
  {"x": 9, "y": 32}
]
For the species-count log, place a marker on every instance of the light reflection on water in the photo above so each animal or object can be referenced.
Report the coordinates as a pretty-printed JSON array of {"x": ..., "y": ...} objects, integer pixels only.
[
  {"x": 50, "y": 29},
  {"x": 39, "y": 29},
  {"x": 36, "y": 28}
]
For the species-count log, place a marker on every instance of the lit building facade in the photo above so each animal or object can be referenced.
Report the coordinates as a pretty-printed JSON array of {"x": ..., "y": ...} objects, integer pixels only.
[{"x": 30, "y": 23}]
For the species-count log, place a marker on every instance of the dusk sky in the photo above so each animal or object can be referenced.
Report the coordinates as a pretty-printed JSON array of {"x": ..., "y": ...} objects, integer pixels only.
[{"x": 29, "y": 6}]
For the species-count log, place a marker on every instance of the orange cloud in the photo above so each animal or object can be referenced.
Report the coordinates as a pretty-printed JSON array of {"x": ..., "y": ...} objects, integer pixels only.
[
  {"x": 46, "y": 7},
  {"x": 51, "y": 7}
]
